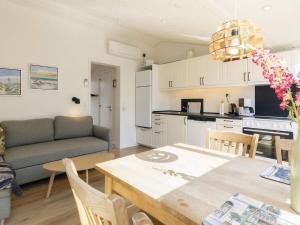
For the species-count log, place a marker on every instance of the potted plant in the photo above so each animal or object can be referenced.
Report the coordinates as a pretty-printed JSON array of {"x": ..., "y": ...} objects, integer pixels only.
[{"x": 281, "y": 80}]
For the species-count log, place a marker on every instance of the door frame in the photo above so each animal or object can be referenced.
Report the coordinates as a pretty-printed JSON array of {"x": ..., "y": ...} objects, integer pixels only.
[{"x": 117, "y": 112}]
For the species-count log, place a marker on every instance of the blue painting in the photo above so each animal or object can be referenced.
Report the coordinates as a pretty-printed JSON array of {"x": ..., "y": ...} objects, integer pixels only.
[
  {"x": 10, "y": 81},
  {"x": 43, "y": 77}
]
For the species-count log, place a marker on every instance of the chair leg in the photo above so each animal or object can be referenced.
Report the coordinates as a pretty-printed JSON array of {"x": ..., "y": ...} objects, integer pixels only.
[{"x": 2, "y": 221}]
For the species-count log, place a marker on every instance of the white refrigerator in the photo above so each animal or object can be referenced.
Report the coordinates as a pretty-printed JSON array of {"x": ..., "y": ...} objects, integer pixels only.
[{"x": 143, "y": 98}]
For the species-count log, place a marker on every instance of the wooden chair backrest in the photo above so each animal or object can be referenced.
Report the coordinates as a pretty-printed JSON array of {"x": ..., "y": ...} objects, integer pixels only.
[
  {"x": 94, "y": 207},
  {"x": 232, "y": 142},
  {"x": 283, "y": 145}
]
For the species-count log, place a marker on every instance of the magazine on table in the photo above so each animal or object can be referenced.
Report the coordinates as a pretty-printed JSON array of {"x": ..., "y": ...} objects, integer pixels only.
[
  {"x": 279, "y": 173},
  {"x": 241, "y": 210}
]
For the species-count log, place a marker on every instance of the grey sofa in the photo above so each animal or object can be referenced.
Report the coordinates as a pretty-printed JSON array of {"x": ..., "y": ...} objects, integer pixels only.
[{"x": 32, "y": 143}]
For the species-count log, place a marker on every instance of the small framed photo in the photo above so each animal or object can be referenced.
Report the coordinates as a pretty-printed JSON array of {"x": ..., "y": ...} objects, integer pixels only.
[
  {"x": 43, "y": 77},
  {"x": 10, "y": 81}
]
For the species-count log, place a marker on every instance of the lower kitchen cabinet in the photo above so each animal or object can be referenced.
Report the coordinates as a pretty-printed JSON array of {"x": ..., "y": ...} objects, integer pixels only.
[
  {"x": 176, "y": 129},
  {"x": 197, "y": 132},
  {"x": 144, "y": 136}
]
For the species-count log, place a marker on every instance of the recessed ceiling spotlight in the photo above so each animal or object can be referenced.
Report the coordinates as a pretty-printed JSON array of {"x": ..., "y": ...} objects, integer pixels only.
[
  {"x": 163, "y": 21},
  {"x": 267, "y": 7}
]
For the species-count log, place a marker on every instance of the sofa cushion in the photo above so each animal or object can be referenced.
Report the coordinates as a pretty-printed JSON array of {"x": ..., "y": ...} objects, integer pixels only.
[
  {"x": 36, "y": 154},
  {"x": 24, "y": 132},
  {"x": 73, "y": 127},
  {"x": 2, "y": 141}
]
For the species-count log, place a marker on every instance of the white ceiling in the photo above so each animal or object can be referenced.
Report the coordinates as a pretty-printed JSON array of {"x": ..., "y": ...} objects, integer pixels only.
[{"x": 170, "y": 20}]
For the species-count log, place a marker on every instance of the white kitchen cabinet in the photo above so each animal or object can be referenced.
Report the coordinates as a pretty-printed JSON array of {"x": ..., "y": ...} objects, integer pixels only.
[
  {"x": 176, "y": 129},
  {"x": 144, "y": 136},
  {"x": 197, "y": 132},
  {"x": 254, "y": 75},
  {"x": 204, "y": 72},
  {"x": 158, "y": 130},
  {"x": 173, "y": 75},
  {"x": 232, "y": 125},
  {"x": 235, "y": 73}
]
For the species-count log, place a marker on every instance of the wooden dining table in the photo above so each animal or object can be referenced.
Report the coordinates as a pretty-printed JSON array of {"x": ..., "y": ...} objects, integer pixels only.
[{"x": 182, "y": 184}]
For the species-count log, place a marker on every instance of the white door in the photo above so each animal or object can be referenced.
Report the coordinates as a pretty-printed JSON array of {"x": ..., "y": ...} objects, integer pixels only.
[
  {"x": 235, "y": 72},
  {"x": 195, "y": 73},
  {"x": 179, "y": 74},
  {"x": 143, "y": 106},
  {"x": 197, "y": 132},
  {"x": 176, "y": 129},
  {"x": 254, "y": 75},
  {"x": 106, "y": 99},
  {"x": 211, "y": 70}
]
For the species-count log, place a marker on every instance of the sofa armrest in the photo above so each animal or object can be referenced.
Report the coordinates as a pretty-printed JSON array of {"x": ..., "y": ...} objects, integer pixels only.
[{"x": 104, "y": 134}]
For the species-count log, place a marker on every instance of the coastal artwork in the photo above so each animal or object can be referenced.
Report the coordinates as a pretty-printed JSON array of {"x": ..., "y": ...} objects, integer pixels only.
[
  {"x": 43, "y": 77},
  {"x": 10, "y": 81}
]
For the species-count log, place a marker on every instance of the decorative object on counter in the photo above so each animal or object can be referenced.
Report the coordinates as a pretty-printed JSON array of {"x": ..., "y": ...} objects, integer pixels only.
[
  {"x": 10, "y": 81},
  {"x": 235, "y": 39},
  {"x": 43, "y": 77},
  {"x": 282, "y": 80},
  {"x": 222, "y": 107}
]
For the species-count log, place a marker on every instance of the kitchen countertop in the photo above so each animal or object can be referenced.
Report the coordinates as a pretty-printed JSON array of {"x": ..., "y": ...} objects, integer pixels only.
[{"x": 211, "y": 116}]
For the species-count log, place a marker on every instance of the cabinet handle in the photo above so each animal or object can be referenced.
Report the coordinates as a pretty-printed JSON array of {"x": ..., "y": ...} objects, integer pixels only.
[
  {"x": 184, "y": 121},
  {"x": 156, "y": 132},
  {"x": 200, "y": 80},
  {"x": 227, "y": 127},
  {"x": 171, "y": 83},
  {"x": 203, "y": 81},
  {"x": 231, "y": 121},
  {"x": 248, "y": 76},
  {"x": 157, "y": 123},
  {"x": 245, "y": 76}
]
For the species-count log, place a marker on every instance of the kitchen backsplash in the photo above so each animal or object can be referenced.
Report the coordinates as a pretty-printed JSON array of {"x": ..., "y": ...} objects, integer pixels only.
[{"x": 212, "y": 97}]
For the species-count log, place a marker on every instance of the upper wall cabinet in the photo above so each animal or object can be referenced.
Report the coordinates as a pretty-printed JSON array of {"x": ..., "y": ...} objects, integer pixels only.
[
  {"x": 203, "y": 71},
  {"x": 235, "y": 73},
  {"x": 173, "y": 75}
]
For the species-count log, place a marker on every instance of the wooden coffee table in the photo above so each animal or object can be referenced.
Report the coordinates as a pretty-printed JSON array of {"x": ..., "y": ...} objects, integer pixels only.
[{"x": 84, "y": 162}]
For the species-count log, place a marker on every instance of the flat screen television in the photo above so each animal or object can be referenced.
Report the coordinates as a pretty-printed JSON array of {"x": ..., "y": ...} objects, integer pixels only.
[{"x": 267, "y": 103}]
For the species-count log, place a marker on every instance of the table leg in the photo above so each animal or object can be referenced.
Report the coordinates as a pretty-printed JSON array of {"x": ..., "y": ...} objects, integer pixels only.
[
  {"x": 108, "y": 185},
  {"x": 50, "y": 184},
  {"x": 87, "y": 176}
]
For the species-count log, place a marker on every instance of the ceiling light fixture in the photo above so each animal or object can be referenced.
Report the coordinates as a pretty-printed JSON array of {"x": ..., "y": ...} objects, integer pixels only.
[
  {"x": 266, "y": 7},
  {"x": 235, "y": 39}
]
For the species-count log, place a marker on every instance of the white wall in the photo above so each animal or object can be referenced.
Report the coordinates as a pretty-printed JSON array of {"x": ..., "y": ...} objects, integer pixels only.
[
  {"x": 212, "y": 97},
  {"x": 30, "y": 34},
  {"x": 169, "y": 52}
]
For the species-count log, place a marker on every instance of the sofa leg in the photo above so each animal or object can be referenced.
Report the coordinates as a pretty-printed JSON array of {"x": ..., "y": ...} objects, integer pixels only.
[{"x": 2, "y": 222}]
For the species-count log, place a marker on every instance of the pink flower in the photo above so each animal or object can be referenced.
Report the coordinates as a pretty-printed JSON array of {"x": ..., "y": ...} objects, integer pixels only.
[{"x": 284, "y": 104}]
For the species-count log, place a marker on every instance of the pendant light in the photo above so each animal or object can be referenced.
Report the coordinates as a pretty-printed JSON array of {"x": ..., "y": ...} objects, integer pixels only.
[{"x": 235, "y": 39}]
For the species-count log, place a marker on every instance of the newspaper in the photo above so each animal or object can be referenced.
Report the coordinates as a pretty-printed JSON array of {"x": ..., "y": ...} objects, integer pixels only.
[
  {"x": 241, "y": 210},
  {"x": 279, "y": 173}
]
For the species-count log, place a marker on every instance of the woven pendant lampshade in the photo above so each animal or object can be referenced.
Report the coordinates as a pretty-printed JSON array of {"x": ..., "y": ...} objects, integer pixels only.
[{"x": 234, "y": 40}]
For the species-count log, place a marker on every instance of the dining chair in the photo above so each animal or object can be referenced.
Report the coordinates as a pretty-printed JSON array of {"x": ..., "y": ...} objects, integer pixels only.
[
  {"x": 283, "y": 145},
  {"x": 232, "y": 142},
  {"x": 96, "y": 208}
]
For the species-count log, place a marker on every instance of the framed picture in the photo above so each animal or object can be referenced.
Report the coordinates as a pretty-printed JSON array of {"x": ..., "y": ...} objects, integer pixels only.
[
  {"x": 10, "y": 81},
  {"x": 43, "y": 77}
]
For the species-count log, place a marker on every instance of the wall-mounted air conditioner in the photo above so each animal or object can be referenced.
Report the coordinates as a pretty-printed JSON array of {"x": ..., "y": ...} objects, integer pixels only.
[{"x": 124, "y": 50}]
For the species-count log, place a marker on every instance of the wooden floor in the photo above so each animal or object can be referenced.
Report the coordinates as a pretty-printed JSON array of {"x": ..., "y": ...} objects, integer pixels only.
[{"x": 60, "y": 209}]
